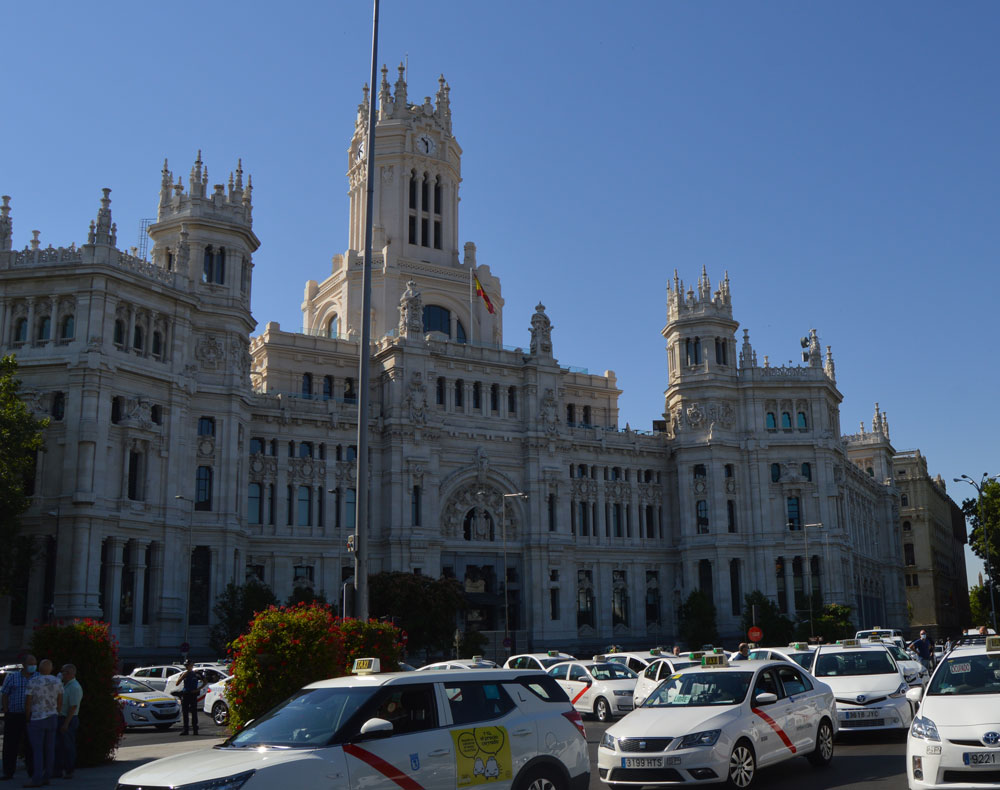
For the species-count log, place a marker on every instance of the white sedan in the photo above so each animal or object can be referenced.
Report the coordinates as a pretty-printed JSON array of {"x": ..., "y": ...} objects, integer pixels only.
[
  {"x": 216, "y": 703},
  {"x": 144, "y": 706},
  {"x": 656, "y": 673},
  {"x": 869, "y": 685},
  {"x": 604, "y": 689},
  {"x": 719, "y": 723},
  {"x": 955, "y": 737},
  {"x": 461, "y": 663}
]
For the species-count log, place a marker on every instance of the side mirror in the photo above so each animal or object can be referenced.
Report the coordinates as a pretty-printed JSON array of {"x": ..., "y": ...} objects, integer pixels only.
[
  {"x": 765, "y": 698},
  {"x": 376, "y": 728},
  {"x": 915, "y": 694}
]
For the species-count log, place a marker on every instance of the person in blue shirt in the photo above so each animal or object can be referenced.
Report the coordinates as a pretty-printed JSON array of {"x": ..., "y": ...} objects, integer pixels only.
[
  {"x": 742, "y": 653},
  {"x": 15, "y": 731},
  {"x": 925, "y": 650},
  {"x": 191, "y": 683}
]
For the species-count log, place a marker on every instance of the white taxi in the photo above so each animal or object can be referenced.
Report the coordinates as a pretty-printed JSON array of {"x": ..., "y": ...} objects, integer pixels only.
[
  {"x": 800, "y": 653},
  {"x": 662, "y": 668},
  {"x": 144, "y": 706},
  {"x": 476, "y": 662},
  {"x": 955, "y": 737},
  {"x": 637, "y": 661},
  {"x": 604, "y": 689},
  {"x": 216, "y": 702},
  {"x": 869, "y": 685},
  {"x": 537, "y": 660},
  {"x": 374, "y": 731},
  {"x": 719, "y": 722}
]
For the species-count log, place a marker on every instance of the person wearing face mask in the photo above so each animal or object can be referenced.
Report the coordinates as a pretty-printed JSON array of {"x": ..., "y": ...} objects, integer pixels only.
[
  {"x": 15, "y": 729},
  {"x": 43, "y": 701}
]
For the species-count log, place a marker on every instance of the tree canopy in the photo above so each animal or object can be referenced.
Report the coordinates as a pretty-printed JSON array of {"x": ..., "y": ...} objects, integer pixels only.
[
  {"x": 20, "y": 441},
  {"x": 777, "y": 628},
  {"x": 984, "y": 540},
  {"x": 697, "y": 621},
  {"x": 235, "y": 608},
  {"x": 427, "y": 609}
]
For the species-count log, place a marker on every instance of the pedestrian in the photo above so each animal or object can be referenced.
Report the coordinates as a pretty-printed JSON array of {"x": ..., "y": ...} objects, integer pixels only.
[
  {"x": 69, "y": 722},
  {"x": 925, "y": 650},
  {"x": 43, "y": 699},
  {"x": 15, "y": 725},
  {"x": 947, "y": 645},
  {"x": 742, "y": 652},
  {"x": 191, "y": 684},
  {"x": 983, "y": 630},
  {"x": 677, "y": 650}
]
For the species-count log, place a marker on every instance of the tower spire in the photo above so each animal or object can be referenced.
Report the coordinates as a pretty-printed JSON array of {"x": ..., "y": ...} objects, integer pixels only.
[
  {"x": 6, "y": 227},
  {"x": 400, "y": 103}
]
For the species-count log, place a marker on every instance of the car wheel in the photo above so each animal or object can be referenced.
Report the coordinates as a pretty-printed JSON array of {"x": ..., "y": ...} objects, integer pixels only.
[
  {"x": 742, "y": 765},
  {"x": 220, "y": 713},
  {"x": 541, "y": 778},
  {"x": 166, "y": 726},
  {"x": 602, "y": 710},
  {"x": 823, "y": 753}
]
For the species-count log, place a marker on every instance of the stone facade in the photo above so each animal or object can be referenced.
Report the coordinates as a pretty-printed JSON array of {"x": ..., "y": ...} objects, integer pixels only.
[
  {"x": 185, "y": 453},
  {"x": 933, "y": 534}
]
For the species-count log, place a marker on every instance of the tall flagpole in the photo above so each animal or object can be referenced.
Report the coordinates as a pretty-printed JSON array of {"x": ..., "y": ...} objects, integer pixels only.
[
  {"x": 361, "y": 510},
  {"x": 472, "y": 320}
]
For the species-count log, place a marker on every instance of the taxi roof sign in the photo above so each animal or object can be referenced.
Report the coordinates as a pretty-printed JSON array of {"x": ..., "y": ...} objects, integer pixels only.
[
  {"x": 715, "y": 660},
  {"x": 993, "y": 644},
  {"x": 718, "y": 650},
  {"x": 656, "y": 652},
  {"x": 799, "y": 645},
  {"x": 875, "y": 638},
  {"x": 695, "y": 655},
  {"x": 553, "y": 653},
  {"x": 849, "y": 642},
  {"x": 366, "y": 666}
]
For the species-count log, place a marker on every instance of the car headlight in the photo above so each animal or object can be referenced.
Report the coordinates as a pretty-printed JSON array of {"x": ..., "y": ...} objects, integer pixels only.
[
  {"x": 901, "y": 691},
  {"x": 923, "y": 727},
  {"x": 134, "y": 703},
  {"x": 622, "y": 693},
  {"x": 706, "y": 738},
  {"x": 608, "y": 742},
  {"x": 234, "y": 782}
]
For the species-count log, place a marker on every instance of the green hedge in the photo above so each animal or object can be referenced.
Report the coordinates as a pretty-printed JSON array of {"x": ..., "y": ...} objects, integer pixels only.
[{"x": 89, "y": 645}]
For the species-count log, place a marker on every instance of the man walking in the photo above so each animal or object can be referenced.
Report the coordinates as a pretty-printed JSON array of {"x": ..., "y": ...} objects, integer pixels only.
[
  {"x": 190, "y": 684},
  {"x": 43, "y": 699},
  {"x": 68, "y": 722},
  {"x": 15, "y": 725},
  {"x": 925, "y": 650}
]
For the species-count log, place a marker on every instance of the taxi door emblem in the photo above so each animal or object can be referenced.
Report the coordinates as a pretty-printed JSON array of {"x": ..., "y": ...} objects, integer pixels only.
[
  {"x": 991, "y": 738},
  {"x": 415, "y": 762}
]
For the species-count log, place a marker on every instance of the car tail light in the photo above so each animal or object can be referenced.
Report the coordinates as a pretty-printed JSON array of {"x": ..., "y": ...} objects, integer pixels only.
[{"x": 577, "y": 721}]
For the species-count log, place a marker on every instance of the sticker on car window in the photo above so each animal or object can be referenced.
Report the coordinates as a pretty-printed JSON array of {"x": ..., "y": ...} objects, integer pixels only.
[
  {"x": 960, "y": 668},
  {"x": 482, "y": 754},
  {"x": 681, "y": 699}
]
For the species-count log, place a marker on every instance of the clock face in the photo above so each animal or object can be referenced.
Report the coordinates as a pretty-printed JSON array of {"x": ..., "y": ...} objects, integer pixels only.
[
  {"x": 426, "y": 144},
  {"x": 360, "y": 153}
]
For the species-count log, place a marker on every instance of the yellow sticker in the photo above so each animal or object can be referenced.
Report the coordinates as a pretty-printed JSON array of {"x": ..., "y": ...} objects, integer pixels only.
[{"x": 482, "y": 754}]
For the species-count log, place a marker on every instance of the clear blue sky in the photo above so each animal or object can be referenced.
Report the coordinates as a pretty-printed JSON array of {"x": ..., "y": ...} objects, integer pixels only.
[{"x": 839, "y": 159}]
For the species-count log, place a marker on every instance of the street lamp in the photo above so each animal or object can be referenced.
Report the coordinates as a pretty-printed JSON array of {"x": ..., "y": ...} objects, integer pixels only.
[
  {"x": 503, "y": 537},
  {"x": 986, "y": 538},
  {"x": 808, "y": 558}
]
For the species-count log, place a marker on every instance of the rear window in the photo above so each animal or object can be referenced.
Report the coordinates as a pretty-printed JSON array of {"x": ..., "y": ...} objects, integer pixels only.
[{"x": 543, "y": 687}]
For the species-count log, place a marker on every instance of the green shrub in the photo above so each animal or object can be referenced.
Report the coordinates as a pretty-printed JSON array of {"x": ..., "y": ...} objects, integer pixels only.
[
  {"x": 286, "y": 648},
  {"x": 89, "y": 645}
]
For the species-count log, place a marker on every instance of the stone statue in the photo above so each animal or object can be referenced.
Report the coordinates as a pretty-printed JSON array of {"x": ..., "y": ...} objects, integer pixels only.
[{"x": 416, "y": 399}]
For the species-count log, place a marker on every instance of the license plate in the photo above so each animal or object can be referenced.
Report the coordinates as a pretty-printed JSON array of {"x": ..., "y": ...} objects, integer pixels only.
[
  {"x": 981, "y": 758},
  {"x": 861, "y": 714},
  {"x": 642, "y": 762}
]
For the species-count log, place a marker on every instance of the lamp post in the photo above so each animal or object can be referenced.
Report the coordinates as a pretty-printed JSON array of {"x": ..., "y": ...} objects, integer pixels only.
[
  {"x": 986, "y": 537},
  {"x": 503, "y": 538},
  {"x": 805, "y": 533}
]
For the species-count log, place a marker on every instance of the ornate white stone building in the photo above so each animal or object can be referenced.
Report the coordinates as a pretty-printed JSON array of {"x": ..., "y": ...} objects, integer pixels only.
[{"x": 184, "y": 453}]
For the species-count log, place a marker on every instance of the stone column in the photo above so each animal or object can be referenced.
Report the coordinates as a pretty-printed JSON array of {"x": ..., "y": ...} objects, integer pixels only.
[
  {"x": 137, "y": 567},
  {"x": 113, "y": 582}
]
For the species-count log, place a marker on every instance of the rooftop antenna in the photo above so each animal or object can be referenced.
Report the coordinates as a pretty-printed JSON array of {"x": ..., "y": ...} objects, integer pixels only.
[
  {"x": 144, "y": 235},
  {"x": 406, "y": 69}
]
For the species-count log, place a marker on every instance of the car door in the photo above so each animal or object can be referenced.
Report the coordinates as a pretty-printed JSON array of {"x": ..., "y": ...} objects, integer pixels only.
[
  {"x": 155, "y": 678},
  {"x": 769, "y": 722},
  {"x": 419, "y": 747},
  {"x": 579, "y": 687},
  {"x": 493, "y": 740},
  {"x": 803, "y": 707}
]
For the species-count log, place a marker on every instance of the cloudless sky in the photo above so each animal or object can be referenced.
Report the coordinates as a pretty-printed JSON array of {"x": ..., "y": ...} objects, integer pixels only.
[{"x": 839, "y": 159}]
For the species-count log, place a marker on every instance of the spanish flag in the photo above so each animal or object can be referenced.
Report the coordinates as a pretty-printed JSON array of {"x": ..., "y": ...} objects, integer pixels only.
[{"x": 481, "y": 292}]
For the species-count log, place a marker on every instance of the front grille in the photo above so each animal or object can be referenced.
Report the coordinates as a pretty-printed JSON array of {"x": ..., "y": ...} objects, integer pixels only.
[
  {"x": 978, "y": 744},
  {"x": 857, "y": 704},
  {"x": 142, "y": 787},
  {"x": 644, "y": 775},
  {"x": 643, "y": 744},
  {"x": 970, "y": 777},
  {"x": 172, "y": 705},
  {"x": 164, "y": 714},
  {"x": 862, "y": 723}
]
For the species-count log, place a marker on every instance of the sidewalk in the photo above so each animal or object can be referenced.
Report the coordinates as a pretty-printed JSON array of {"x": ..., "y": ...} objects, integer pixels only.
[{"x": 105, "y": 777}]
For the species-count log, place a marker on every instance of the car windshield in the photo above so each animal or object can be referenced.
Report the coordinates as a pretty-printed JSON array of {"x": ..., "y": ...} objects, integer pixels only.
[
  {"x": 551, "y": 661},
  {"x": 131, "y": 686},
  {"x": 307, "y": 719},
  {"x": 700, "y": 689},
  {"x": 898, "y": 653},
  {"x": 849, "y": 663},
  {"x": 612, "y": 671},
  {"x": 802, "y": 659},
  {"x": 976, "y": 674}
]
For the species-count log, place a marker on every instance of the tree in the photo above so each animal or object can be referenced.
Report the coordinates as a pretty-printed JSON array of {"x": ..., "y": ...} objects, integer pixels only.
[
  {"x": 234, "y": 610},
  {"x": 832, "y": 622},
  {"x": 984, "y": 539},
  {"x": 303, "y": 594},
  {"x": 697, "y": 621},
  {"x": 777, "y": 628},
  {"x": 20, "y": 441},
  {"x": 427, "y": 609},
  {"x": 979, "y": 605}
]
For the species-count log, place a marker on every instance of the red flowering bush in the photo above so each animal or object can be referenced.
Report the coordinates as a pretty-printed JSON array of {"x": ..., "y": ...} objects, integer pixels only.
[
  {"x": 90, "y": 645},
  {"x": 286, "y": 648}
]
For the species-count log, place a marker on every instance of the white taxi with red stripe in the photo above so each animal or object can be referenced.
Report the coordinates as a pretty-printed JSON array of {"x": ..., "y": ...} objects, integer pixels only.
[
  {"x": 511, "y": 729},
  {"x": 720, "y": 722},
  {"x": 603, "y": 688}
]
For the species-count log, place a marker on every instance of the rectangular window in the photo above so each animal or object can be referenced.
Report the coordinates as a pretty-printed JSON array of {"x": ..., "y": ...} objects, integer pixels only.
[
  {"x": 350, "y": 505},
  {"x": 554, "y": 603},
  {"x": 779, "y": 572},
  {"x": 617, "y": 513},
  {"x": 203, "y": 488},
  {"x": 253, "y": 503},
  {"x": 289, "y": 506},
  {"x": 415, "y": 506},
  {"x": 731, "y": 515},
  {"x": 424, "y": 236},
  {"x": 206, "y": 426},
  {"x": 336, "y": 509},
  {"x": 320, "y": 507},
  {"x": 794, "y": 516},
  {"x": 413, "y": 230},
  {"x": 909, "y": 557},
  {"x": 552, "y": 512},
  {"x": 701, "y": 516},
  {"x": 437, "y": 234},
  {"x": 199, "y": 591},
  {"x": 270, "y": 504},
  {"x": 735, "y": 597},
  {"x": 135, "y": 476}
]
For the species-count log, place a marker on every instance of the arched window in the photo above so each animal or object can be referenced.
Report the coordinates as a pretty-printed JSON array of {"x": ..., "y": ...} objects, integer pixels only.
[
  {"x": 721, "y": 357},
  {"x": 44, "y": 328},
  {"x": 807, "y": 472},
  {"x": 119, "y": 332},
  {"x": 478, "y": 524},
  {"x": 801, "y": 421},
  {"x": 333, "y": 326},
  {"x": 256, "y": 446},
  {"x": 697, "y": 351},
  {"x": 413, "y": 189},
  {"x": 305, "y": 449},
  {"x": 21, "y": 330},
  {"x": 775, "y": 473},
  {"x": 58, "y": 406},
  {"x": 437, "y": 319},
  {"x": 904, "y": 500},
  {"x": 67, "y": 328},
  {"x": 771, "y": 423},
  {"x": 349, "y": 394},
  {"x": 906, "y": 526},
  {"x": 138, "y": 338},
  {"x": 327, "y": 387},
  {"x": 786, "y": 420},
  {"x": 207, "y": 266},
  {"x": 437, "y": 195},
  {"x": 253, "y": 503},
  {"x": 459, "y": 393},
  {"x": 307, "y": 385},
  {"x": 460, "y": 333},
  {"x": 570, "y": 414},
  {"x": 157, "y": 348}
]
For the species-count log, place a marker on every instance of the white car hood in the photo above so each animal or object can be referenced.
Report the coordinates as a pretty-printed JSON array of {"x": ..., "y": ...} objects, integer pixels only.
[
  {"x": 612, "y": 685},
  {"x": 210, "y": 764},
  {"x": 869, "y": 685},
  {"x": 147, "y": 696},
  {"x": 673, "y": 722},
  {"x": 955, "y": 714}
]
